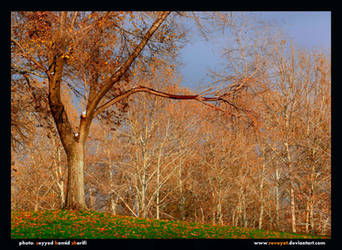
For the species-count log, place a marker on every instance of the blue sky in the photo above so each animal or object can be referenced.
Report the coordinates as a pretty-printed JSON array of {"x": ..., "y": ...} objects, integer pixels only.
[{"x": 306, "y": 29}]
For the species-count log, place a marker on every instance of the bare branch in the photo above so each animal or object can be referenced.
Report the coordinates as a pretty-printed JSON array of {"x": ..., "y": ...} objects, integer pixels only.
[{"x": 198, "y": 98}]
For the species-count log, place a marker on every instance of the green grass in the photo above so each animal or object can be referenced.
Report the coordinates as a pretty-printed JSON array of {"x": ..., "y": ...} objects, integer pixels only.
[{"x": 64, "y": 224}]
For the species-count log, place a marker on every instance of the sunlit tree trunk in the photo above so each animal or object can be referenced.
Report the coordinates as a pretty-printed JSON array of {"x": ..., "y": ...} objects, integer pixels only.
[
  {"x": 160, "y": 154},
  {"x": 277, "y": 196},
  {"x": 113, "y": 198},
  {"x": 158, "y": 185},
  {"x": 219, "y": 212},
  {"x": 312, "y": 196},
  {"x": 114, "y": 203},
  {"x": 292, "y": 195},
  {"x": 36, "y": 203},
  {"x": 75, "y": 197},
  {"x": 245, "y": 221},
  {"x": 159, "y": 175},
  {"x": 293, "y": 210},
  {"x": 261, "y": 195},
  {"x": 59, "y": 173},
  {"x": 234, "y": 216},
  {"x": 307, "y": 212},
  {"x": 143, "y": 188},
  {"x": 202, "y": 213},
  {"x": 181, "y": 204}
]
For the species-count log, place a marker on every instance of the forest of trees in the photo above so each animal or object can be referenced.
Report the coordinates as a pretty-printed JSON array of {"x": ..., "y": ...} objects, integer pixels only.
[{"x": 98, "y": 93}]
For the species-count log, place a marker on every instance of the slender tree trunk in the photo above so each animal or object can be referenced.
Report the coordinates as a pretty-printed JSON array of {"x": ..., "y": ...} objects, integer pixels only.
[
  {"x": 242, "y": 209},
  {"x": 312, "y": 218},
  {"x": 245, "y": 222},
  {"x": 158, "y": 182},
  {"x": 160, "y": 154},
  {"x": 36, "y": 204},
  {"x": 277, "y": 194},
  {"x": 202, "y": 213},
  {"x": 182, "y": 198},
  {"x": 59, "y": 175},
  {"x": 261, "y": 214},
  {"x": 143, "y": 190},
  {"x": 312, "y": 196},
  {"x": 307, "y": 217},
  {"x": 293, "y": 210},
  {"x": 233, "y": 216},
  {"x": 158, "y": 186},
  {"x": 60, "y": 185},
  {"x": 113, "y": 198},
  {"x": 135, "y": 203},
  {"x": 91, "y": 199},
  {"x": 238, "y": 212},
  {"x": 213, "y": 217},
  {"x": 261, "y": 193},
  {"x": 113, "y": 203},
  {"x": 292, "y": 196},
  {"x": 219, "y": 212},
  {"x": 75, "y": 198}
]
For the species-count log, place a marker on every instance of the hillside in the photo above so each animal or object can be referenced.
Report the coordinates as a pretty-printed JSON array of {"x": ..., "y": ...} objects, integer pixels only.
[{"x": 63, "y": 224}]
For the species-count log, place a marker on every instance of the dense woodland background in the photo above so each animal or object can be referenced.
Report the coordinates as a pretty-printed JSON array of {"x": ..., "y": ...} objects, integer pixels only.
[{"x": 264, "y": 163}]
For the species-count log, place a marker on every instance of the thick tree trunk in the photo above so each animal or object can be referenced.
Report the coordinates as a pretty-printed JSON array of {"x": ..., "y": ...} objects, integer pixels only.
[{"x": 75, "y": 198}]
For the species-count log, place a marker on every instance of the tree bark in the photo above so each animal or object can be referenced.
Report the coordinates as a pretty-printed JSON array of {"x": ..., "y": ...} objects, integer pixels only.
[
  {"x": 312, "y": 196},
  {"x": 59, "y": 176},
  {"x": 261, "y": 213},
  {"x": 277, "y": 196},
  {"x": 158, "y": 187},
  {"x": 75, "y": 198},
  {"x": 262, "y": 206},
  {"x": 181, "y": 205},
  {"x": 293, "y": 210},
  {"x": 307, "y": 217},
  {"x": 219, "y": 212},
  {"x": 292, "y": 196}
]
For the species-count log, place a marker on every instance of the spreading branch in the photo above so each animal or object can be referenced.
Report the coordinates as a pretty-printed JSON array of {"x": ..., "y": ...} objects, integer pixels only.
[
  {"x": 116, "y": 77},
  {"x": 138, "y": 89},
  {"x": 95, "y": 98}
]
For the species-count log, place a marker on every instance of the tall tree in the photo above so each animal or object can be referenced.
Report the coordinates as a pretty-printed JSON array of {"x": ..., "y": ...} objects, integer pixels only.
[{"x": 99, "y": 50}]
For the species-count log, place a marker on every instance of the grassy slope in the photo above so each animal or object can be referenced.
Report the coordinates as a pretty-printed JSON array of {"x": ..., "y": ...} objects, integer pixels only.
[{"x": 62, "y": 224}]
